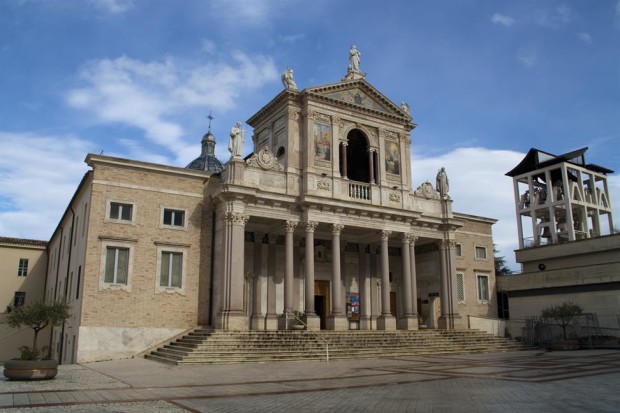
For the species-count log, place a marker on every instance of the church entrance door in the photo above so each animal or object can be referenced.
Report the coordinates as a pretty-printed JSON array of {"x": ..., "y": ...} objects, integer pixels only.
[{"x": 321, "y": 301}]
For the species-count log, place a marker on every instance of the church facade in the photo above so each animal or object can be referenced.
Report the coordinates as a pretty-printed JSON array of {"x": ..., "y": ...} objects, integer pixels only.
[{"x": 321, "y": 221}]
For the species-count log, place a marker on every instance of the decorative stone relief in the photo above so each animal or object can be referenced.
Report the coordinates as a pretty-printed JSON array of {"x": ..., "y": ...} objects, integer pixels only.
[
  {"x": 320, "y": 117},
  {"x": 324, "y": 185},
  {"x": 235, "y": 218},
  {"x": 427, "y": 191},
  {"x": 395, "y": 197},
  {"x": 384, "y": 234},
  {"x": 265, "y": 159},
  {"x": 310, "y": 226},
  {"x": 386, "y": 133},
  {"x": 289, "y": 226},
  {"x": 293, "y": 114}
]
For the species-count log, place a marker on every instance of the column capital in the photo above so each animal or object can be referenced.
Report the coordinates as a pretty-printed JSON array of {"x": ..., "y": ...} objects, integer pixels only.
[
  {"x": 406, "y": 238},
  {"x": 345, "y": 143},
  {"x": 446, "y": 243},
  {"x": 337, "y": 229},
  {"x": 310, "y": 226},
  {"x": 289, "y": 226},
  {"x": 235, "y": 218},
  {"x": 384, "y": 234},
  {"x": 412, "y": 238}
]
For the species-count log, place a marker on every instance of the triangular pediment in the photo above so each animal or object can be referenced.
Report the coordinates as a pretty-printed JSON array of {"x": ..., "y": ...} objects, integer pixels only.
[{"x": 361, "y": 94}]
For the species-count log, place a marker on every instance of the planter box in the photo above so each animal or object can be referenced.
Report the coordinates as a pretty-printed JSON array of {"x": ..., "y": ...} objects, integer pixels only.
[{"x": 30, "y": 369}]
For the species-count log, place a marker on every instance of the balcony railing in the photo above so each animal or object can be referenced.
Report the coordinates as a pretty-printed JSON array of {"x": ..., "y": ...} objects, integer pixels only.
[{"x": 359, "y": 191}]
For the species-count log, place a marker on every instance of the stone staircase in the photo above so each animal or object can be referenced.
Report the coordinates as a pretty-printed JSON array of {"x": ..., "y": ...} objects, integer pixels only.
[{"x": 204, "y": 346}]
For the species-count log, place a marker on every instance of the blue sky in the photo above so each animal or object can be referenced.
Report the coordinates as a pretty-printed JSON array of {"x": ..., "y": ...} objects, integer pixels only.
[{"x": 486, "y": 81}]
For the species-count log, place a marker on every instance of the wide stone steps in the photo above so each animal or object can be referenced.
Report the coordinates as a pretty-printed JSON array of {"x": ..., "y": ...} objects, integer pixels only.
[{"x": 222, "y": 347}]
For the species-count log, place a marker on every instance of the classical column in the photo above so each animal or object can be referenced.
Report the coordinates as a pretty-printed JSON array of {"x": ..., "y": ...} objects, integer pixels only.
[
  {"x": 312, "y": 320},
  {"x": 232, "y": 315},
  {"x": 337, "y": 320},
  {"x": 289, "y": 228},
  {"x": 271, "y": 319},
  {"x": 449, "y": 318},
  {"x": 343, "y": 151},
  {"x": 257, "y": 322},
  {"x": 364, "y": 283},
  {"x": 371, "y": 160},
  {"x": 374, "y": 286},
  {"x": 414, "y": 281},
  {"x": 410, "y": 320},
  {"x": 386, "y": 320}
]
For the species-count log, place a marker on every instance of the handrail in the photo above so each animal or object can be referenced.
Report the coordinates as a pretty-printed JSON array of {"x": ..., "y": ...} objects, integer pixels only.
[{"x": 288, "y": 312}]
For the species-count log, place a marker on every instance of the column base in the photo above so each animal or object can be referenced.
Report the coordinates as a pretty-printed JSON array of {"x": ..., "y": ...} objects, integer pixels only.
[
  {"x": 450, "y": 322},
  {"x": 386, "y": 322},
  {"x": 230, "y": 320},
  {"x": 337, "y": 322},
  {"x": 408, "y": 322},
  {"x": 313, "y": 322},
  {"x": 257, "y": 322},
  {"x": 271, "y": 322}
]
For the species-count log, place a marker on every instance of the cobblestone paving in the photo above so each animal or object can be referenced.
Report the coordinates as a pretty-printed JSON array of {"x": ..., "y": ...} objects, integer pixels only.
[{"x": 507, "y": 382}]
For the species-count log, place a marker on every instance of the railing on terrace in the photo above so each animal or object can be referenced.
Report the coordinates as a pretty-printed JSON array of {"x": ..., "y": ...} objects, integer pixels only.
[{"x": 359, "y": 191}]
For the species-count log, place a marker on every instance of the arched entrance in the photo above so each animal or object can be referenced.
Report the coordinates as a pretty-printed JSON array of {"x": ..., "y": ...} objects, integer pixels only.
[{"x": 358, "y": 165}]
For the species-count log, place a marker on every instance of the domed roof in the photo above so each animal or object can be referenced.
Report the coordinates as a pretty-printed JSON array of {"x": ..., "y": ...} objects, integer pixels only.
[{"x": 207, "y": 160}]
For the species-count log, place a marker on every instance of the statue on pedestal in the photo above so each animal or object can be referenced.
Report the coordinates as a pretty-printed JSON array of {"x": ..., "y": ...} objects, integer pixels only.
[
  {"x": 354, "y": 59},
  {"x": 287, "y": 79},
  {"x": 442, "y": 184},
  {"x": 235, "y": 144}
]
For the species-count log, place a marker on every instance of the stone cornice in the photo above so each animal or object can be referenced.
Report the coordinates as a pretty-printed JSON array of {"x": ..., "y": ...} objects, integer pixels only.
[{"x": 93, "y": 160}]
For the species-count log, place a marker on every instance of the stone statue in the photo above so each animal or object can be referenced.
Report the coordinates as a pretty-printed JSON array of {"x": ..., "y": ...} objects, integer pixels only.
[
  {"x": 405, "y": 108},
  {"x": 287, "y": 79},
  {"x": 235, "y": 144},
  {"x": 354, "y": 59},
  {"x": 442, "y": 185}
]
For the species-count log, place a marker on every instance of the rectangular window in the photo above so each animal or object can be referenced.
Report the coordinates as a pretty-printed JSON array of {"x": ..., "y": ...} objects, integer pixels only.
[
  {"x": 483, "y": 288},
  {"x": 459, "y": 250},
  {"x": 460, "y": 286},
  {"x": 171, "y": 269},
  {"x": 481, "y": 253},
  {"x": 22, "y": 269},
  {"x": 122, "y": 212},
  {"x": 116, "y": 265},
  {"x": 19, "y": 299},
  {"x": 174, "y": 217}
]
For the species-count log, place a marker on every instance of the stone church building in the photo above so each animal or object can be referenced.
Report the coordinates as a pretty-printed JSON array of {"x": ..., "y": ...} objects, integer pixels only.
[{"x": 321, "y": 219}]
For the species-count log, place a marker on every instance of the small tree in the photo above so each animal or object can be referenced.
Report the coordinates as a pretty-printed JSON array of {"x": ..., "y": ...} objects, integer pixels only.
[
  {"x": 37, "y": 316},
  {"x": 500, "y": 263},
  {"x": 562, "y": 314}
]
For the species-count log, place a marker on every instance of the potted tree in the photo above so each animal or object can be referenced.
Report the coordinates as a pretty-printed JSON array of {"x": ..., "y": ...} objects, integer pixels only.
[
  {"x": 563, "y": 315},
  {"x": 35, "y": 363}
]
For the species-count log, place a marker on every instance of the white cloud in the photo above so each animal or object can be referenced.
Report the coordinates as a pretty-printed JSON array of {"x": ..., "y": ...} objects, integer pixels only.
[
  {"x": 478, "y": 186},
  {"x": 528, "y": 57},
  {"x": 152, "y": 95},
  {"x": 502, "y": 19},
  {"x": 208, "y": 46},
  {"x": 556, "y": 18},
  {"x": 113, "y": 6},
  {"x": 38, "y": 176},
  {"x": 584, "y": 37}
]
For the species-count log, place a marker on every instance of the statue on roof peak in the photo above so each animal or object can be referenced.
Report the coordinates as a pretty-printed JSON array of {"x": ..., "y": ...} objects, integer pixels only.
[{"x": 354, "y": 72}]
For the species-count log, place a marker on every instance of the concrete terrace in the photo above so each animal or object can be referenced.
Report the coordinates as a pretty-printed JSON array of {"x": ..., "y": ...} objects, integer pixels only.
[{"x": 523, "y": 381}]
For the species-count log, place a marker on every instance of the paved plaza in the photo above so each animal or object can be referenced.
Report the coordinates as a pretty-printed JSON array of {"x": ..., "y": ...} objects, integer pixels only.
[{"x": 527, "y": 381}]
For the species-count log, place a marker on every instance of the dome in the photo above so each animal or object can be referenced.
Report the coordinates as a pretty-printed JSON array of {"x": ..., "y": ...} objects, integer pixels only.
[{"x": 207, "y": 160}]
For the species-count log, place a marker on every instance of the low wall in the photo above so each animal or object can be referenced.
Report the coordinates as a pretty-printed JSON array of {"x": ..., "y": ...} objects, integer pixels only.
[
  {"x": 112, "y": 343},
  {"x": 493, "y": 326}
]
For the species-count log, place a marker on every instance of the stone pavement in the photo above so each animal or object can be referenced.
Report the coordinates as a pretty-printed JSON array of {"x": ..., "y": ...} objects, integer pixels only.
[{"x": 525, "y": 381}]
